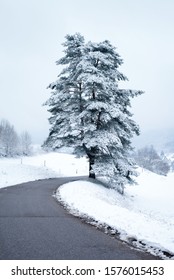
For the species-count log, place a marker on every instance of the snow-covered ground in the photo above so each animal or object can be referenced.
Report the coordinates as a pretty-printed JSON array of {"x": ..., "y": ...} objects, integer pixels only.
[
  {"x": 42, "y": 166},
  {"x": 144, "y": 215}
]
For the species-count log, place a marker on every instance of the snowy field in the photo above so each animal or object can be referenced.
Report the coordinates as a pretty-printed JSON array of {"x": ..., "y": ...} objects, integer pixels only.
[
  {"x": 143, "y": 216},
  {"x": 46, "y": 165}
]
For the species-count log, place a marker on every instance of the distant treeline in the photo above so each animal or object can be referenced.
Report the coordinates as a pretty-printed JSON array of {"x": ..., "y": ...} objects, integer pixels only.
[
  {"x": 149, "y": 158},
  {"x": 12, "y": 144}
]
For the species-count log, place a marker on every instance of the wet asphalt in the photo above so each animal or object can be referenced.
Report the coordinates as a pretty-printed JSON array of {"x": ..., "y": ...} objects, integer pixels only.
[{"x": 34, "y": 226}]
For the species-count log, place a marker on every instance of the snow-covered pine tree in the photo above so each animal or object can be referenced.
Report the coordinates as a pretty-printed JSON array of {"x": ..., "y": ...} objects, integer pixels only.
[{"x": 90, "y": 112}]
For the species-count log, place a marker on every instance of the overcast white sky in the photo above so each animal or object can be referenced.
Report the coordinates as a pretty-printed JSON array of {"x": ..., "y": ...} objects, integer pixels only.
[{"x": 31, "y": 34}]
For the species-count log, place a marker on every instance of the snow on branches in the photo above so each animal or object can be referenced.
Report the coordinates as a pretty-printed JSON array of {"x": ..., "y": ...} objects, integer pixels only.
[{"x": 89, "y": 112}]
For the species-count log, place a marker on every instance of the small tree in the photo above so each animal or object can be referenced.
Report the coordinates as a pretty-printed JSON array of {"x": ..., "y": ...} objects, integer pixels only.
[
  {"x": 90, "y": 112},
  {"x": 8, "y": 139},
  {"x": 25, "y": 143}
]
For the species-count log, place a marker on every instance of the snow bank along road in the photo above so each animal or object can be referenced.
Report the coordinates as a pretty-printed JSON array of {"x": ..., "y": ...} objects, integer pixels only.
[{"x": 34, "y": 226}]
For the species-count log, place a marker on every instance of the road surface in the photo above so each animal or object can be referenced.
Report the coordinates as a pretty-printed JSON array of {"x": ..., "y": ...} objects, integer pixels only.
[{"x": 33, "y": 225}]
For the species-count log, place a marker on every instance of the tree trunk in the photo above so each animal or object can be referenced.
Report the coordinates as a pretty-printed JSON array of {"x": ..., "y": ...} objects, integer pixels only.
[
  {"x": 91, "y": 156},
  {"x": 91, "y": 171}
]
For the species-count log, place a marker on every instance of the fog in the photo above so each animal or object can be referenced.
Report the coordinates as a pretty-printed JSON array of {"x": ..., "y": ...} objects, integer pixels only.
[{"x": 31, "y": 36}]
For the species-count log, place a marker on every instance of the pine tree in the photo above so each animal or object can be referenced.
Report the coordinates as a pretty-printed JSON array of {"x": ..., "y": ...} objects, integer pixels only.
[{"x": 90, "y": 112}]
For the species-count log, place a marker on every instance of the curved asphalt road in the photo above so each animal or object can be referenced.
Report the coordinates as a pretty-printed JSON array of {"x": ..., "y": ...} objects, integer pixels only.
[{"x": 34, "y": 226}]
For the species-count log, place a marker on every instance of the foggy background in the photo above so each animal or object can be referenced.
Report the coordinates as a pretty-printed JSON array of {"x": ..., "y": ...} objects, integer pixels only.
[{"x": 31, "y": 34}]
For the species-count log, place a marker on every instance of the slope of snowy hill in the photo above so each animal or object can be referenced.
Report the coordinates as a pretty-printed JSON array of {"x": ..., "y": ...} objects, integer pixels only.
[{"x": 144, "y": 216}]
